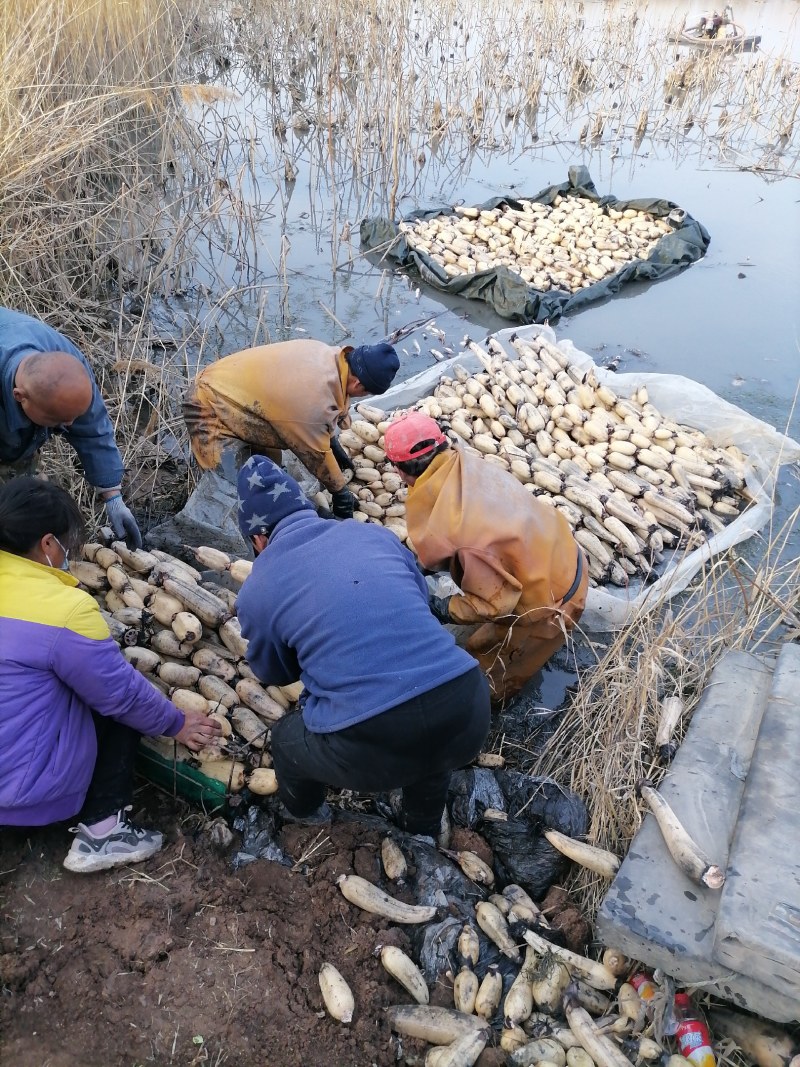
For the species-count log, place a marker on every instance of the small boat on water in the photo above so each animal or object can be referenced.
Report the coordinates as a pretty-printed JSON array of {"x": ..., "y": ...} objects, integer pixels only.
[{"x": 716, "y": 32}]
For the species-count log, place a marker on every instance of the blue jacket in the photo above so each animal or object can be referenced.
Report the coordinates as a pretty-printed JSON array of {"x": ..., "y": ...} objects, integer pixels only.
[
  {"x": 57, "y": 665},
  {"x": 92, "y": 435},
  {"x": 342, "y": 607}
]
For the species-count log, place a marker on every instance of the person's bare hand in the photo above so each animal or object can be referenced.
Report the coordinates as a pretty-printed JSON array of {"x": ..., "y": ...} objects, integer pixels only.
[{"x": 198, "y": 730}]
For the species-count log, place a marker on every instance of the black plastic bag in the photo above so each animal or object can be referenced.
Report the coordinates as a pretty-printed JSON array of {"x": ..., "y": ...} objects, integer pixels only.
[
  {"x": 438, "y": 881},
  {"x": 543, "y": 800},
  {"x": 258, "y": 829},
  {"x": 435, "y": 947},
  {"x": 522, "y": 854},
  {"x": 470, "y": 793}
]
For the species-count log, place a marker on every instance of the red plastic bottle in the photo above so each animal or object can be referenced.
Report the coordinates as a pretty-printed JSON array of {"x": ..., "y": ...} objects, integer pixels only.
[
  {"x": 644, "y": 985},
  {"x": 692, "y": 1033}
]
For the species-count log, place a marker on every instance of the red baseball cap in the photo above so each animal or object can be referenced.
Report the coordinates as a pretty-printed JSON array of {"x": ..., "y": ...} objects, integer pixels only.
[{"x": 411, "y": 436}]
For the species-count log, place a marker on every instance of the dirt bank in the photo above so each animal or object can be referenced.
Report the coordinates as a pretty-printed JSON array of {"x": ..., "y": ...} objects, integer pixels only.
[{"x": 184, "y": 961}]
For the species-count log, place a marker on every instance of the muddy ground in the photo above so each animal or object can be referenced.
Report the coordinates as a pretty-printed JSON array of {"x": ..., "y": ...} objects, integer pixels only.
[{"x": 183, "y": 960}]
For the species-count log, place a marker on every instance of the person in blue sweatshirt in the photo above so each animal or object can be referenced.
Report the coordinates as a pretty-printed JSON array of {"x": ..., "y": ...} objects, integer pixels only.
[
  {"x": 390, "y": 701},
  {"x": 46, "y": 387}
]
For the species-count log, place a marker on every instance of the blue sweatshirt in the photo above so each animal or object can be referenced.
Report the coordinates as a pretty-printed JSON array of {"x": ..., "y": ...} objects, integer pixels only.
[
  {"x": 92, "y": 435},
  {"x": 342, "y": 607}
]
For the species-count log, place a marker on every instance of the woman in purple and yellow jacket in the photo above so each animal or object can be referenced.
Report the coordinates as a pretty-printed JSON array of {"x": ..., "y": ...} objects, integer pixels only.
[{"x": 72, "y": 708}]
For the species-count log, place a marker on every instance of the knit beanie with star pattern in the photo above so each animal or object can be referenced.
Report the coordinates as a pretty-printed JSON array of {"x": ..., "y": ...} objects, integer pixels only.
[{"x": 267, "y": 494}]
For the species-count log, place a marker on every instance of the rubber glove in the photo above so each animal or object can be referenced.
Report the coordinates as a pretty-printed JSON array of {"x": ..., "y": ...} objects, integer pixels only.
[
  {"x": 341, "y": 456},
  {"x": 122, "y": 521},
  {"x": 440, "y": 608},
  {"x": 344, "y": 504}
]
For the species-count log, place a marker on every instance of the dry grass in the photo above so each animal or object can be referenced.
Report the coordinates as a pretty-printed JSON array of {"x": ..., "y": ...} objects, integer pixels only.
[
  {"x": 87, "y": 130},
  {"x": 605, "y": 741},
  {"x": 106, "y": 186}
]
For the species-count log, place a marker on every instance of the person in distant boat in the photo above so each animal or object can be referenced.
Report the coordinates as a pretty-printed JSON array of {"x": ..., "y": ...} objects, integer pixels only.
[{"x": 709, "y": 24}]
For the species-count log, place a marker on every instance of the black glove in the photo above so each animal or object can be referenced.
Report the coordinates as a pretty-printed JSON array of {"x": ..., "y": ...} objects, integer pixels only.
[
  {"x": 344, "y": 504},
  {"x": 424, "y": 571},
  {"x": 440, "y": 608},
  {"x": 341, "y": 457}
]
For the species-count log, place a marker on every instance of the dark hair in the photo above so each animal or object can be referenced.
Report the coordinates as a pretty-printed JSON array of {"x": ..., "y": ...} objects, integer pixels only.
[
  {"x": 414, "y": 467},
  {"x": 31, "y": 508}
]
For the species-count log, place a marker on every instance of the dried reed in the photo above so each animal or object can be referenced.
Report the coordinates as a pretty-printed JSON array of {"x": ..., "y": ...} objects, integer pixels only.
[
  {"x": 87, "y": 128},
  {"x": 387, "y": 98},
  {"x": 106, "y": 188},
  {"x": 605, "y": 741}
]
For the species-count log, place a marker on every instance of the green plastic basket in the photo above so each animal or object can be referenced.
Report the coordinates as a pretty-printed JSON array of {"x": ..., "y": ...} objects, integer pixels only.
[{"x": 180, "y": 778}]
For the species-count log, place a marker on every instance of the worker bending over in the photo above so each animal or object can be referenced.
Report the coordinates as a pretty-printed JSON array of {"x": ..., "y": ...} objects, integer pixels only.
[
  {"x": 522, "y": 576},
  {"x": 47, "y": 387},
  {"x": 390, "y": 700},
  {"x": 292, "y": 395}
]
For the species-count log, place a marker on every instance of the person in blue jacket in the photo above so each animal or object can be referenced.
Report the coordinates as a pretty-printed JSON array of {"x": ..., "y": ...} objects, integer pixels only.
[
  {"x": 46, "y": 387},
  {"x": 390, "y": 702}
]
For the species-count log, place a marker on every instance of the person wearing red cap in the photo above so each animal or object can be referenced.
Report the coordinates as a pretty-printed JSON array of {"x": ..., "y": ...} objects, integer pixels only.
[
  {"x": 292, "y": 395},
  {"x": 522, "y": 576}
]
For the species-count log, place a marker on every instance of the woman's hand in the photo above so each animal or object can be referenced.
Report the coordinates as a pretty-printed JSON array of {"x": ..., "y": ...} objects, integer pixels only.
[{"x": 198, "y": 730}]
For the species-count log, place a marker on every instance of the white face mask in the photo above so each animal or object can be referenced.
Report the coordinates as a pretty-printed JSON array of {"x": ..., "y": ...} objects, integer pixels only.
[{"x": 65, "y": 564}]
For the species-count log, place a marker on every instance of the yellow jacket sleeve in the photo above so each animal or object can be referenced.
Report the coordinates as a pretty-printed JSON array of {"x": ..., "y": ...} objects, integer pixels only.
[{"x": 324, "y": 467}]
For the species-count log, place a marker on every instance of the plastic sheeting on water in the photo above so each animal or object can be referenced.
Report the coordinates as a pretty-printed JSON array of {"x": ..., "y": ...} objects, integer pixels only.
[
  {"x": 678, "y": 398},
  {"x": 514, "y": 298}
]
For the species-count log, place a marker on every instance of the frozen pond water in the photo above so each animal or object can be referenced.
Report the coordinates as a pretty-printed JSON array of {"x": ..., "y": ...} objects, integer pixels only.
[{"x": 730, "y": 321}]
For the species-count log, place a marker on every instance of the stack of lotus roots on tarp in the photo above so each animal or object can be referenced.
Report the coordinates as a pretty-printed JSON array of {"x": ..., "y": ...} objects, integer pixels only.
[
  {"x": 533, "y": 258},
  {"x": 630, "y": 481},
  {"x": 569, "y": 244}
]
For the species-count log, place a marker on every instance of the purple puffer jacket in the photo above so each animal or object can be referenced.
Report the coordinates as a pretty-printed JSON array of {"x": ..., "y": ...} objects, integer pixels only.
[{"x": 57, "y": 664}]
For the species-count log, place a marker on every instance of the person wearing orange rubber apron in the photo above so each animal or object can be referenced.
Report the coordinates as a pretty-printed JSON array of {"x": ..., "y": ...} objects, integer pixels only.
[
  {"x": 292, "y": 395},
  {"x": 523, "y": 578}
]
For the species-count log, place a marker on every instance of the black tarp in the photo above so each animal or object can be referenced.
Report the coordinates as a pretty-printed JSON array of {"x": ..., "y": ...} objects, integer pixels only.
[
  {"x": 508, "y": 293},
  {"x": 522, "y": 854}
]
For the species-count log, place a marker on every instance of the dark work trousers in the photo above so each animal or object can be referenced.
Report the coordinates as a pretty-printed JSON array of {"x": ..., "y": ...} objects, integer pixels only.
[
  {"x": 414, "y": 746},
  {"x": 111, "y": 787}
]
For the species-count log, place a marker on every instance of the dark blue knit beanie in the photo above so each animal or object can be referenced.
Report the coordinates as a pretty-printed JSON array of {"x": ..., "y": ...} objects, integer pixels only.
[
  {"x": 267, "y": 494},
  {"x": 375, "y": 366}
]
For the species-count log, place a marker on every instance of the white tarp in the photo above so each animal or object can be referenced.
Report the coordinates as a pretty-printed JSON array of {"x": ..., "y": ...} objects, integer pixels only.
[{"x": 684, "y": 401}]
